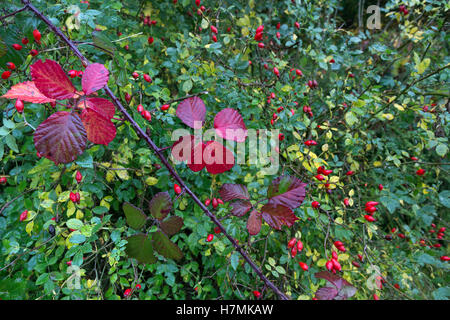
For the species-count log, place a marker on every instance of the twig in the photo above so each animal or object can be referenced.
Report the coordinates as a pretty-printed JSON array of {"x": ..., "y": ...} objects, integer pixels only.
[{"x": 13, "y": 13}]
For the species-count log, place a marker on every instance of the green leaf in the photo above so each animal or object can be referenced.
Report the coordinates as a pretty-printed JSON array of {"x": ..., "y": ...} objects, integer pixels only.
[
  {"x": 444, "y": 197},
  {"x": 390, "y": 203},
  {"x": 11, "y": 143},
  {"x": 140, "y": 248},
  {"x": 74, "y": 224},
  {"x": 103, "y": 42},
  {"x": 441, "y": 293},
  {"x": 441, "y": 149},
  {"x": 350, "y": 118},
  {"x": 187, "y": 86},
  {"x": 77, "y": 238},
  {"x": 166, "y": 247},
  {"x": 234, "y": 260},
  {"x": 136, "y": 218},
  {"x": 3, "y": 48},
  {"x": 85, "y": 160}
]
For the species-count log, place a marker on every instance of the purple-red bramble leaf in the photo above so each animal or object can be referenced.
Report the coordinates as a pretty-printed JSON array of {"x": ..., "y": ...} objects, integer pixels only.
[
  {"x": 254, "y": 223},
  {"x": 192, "y": 112},
  {"x": 240, "y": 207},
  {"x": 217, "y": 158},
  {"x": 95, "y": 77},
  {"x": 229, "y": 125},
  {"x": 160, "y": 205},
  {"x": 51, "y": 80},
  {"x": 288, "y": 191},
  {"x": 230, "y": 191},
  {"x": 171, "y": 225},
  {"x": 27, "y": 91},
  {"x": 96, "y": 117},
  {"x": 278, "y": 215},
  {"x": 61, "y": 138}
]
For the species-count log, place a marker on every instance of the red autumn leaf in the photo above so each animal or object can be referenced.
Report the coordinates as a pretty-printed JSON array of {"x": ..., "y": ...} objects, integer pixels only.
[
  {"x": 96, "y": 117},
  {"x": 51, "y": 80},
  {"x": 27, "y": 91},
  {"x": 184, "y": 150},
  {"x": 326, "y": 293},
  {"x": 230, "y": 125},
  {"x": 217, "y": 158},
  {"x": 278, "y": 215},
  {"x": 288, "y": 191},
  {"x": 100, "y": 130},
  {"x": 196, "y": 162},
  {"x": 230, "y": 191},
  {"x": 61, "y": 138},
  {"x": 342, "y": 288},
  {"x": 95, "y": 77},
  {"x": 240, "y": 207},
  {"x": 213, "y": 155},
  {"x": 192, "y": 111},
  {"x": 102, "y": 106},
  {"x": 254, "y": 223}
]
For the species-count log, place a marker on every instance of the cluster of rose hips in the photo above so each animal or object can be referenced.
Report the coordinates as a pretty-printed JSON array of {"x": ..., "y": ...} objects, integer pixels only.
[
  {"x": 297, "y": 246},
  {"x": 215, "y": 32},
  {"x": 200, "y": 9},
  {"x": 370, "y": 208},
  {"x": 145, "y": 113},
  {"x": 146, "y": 77},
  {"x": 440, "y": 232},
  {"x": 333, "y": 264},
  {"x": 215, "y": 202},
  {"x": 312, "y": 84},
  {"x": 259, "y": 33},
  {"x": 147, "y": 21},
  {"x": 6, "y": 74},
  {"x": 321, "y": 172},
  {"x": 420, "y": 172},
  {"x": 75, "y": 197},
  {"x": 310, "y": 143},
  {"x": 75, "y": 73},
  {"x": 129, "y": 291},
  {"x": 403, "y": 10},
  {"x": 298, "y": 73},
  {"x": 37, "y": 38},
  {"x": 393, "y": 230},
  {"x": 210, "y": 236},
  {"x": 426, "y": 108},
  {"x": 307, "y": 110}
]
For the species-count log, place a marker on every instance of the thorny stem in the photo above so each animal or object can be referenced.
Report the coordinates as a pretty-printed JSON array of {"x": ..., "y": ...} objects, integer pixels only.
[
  {"x": 158, "y": 152},
  {"x": 12, "y": 13}
]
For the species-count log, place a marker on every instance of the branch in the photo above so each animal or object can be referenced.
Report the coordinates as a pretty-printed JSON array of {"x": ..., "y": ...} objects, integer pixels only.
[
  {"x": 13, "y": 13},
  {"x": 158, "y": 152}
]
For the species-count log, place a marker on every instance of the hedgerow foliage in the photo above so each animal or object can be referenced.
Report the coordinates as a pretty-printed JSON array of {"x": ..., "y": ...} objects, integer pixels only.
[{"x": 362, "y": 183}]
